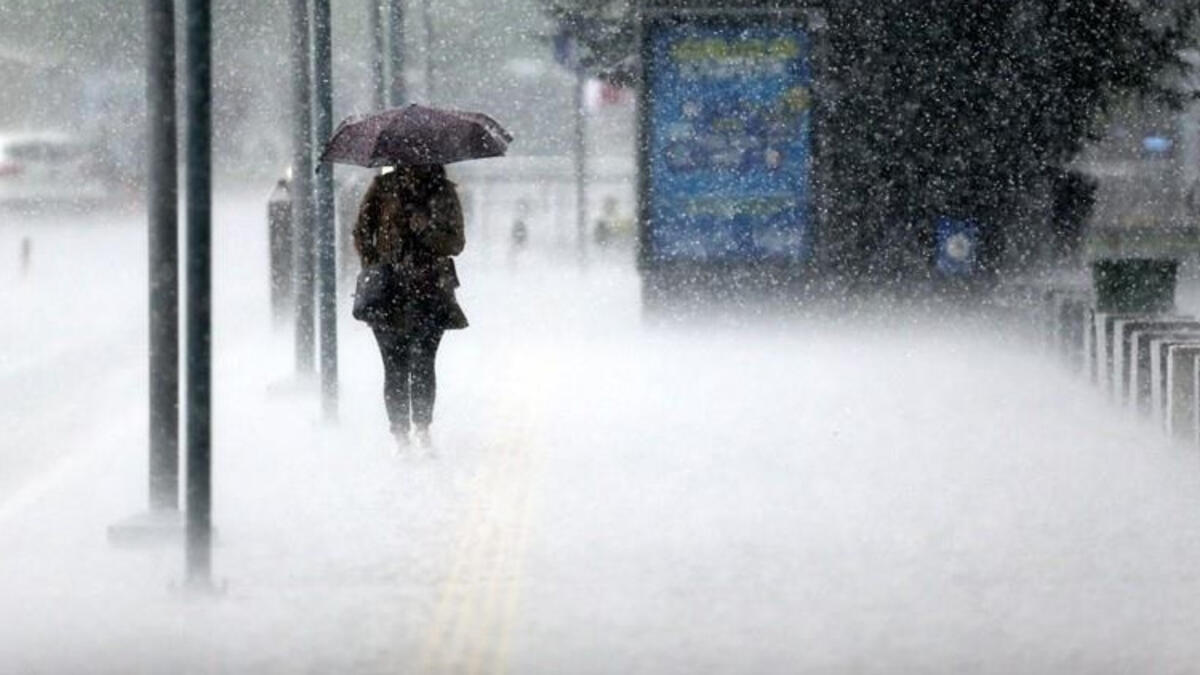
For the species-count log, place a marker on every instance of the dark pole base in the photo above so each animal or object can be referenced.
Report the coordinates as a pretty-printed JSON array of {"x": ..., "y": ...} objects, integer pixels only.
[{"x": 200, "y": 589}]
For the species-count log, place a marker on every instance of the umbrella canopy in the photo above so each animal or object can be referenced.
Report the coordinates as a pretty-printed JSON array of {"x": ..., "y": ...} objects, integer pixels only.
[{"x": 415, "y": 134}]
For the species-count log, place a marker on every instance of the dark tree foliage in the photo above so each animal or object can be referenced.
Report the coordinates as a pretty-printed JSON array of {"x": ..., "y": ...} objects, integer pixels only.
[
  {"x": 953, "y": 107},
  {"x": 973, "y": 114}
]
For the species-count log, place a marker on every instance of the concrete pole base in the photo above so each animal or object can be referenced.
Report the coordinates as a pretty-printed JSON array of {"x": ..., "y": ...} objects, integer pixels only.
[{"x": 152, "y": 528}]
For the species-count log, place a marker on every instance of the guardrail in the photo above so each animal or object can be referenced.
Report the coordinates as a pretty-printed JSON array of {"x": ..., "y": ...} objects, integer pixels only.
[{"x": 1145, "y": 362}]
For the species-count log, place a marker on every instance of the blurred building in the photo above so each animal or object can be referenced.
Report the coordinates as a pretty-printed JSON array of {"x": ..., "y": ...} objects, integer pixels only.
[
  {"x": 36, "y": 91},
  {"x": 1146, "y": 169}
]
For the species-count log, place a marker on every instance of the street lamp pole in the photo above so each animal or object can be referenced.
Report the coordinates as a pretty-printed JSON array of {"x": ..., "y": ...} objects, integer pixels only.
[
  {"x": 163, "y": 189},
  {"x": 302, "y": 186},
  {"x": 199, "y": 294},
  {"x": 326, "y": 237},
  {"x": 580, "y": 165},
  {"x": 397, "y": 93},
  {"x": 375, "y": 25},
  {"x": 162, "y": 522},
  {"x": 427, "y": 18}
]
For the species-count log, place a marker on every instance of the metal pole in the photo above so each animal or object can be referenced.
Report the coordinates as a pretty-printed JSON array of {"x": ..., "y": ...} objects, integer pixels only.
[
  {"x": 397, "y": 93},
  {"x": 427, "y": 19},
  {"x": 163, "y": 196},
  {"x": 302, "y": 187},
  {"x": 375, "y": 22},
  {"x": 199, "y": 293},
  {"x": 580, "y": 167},
  {"x": 326, "y": 234}
]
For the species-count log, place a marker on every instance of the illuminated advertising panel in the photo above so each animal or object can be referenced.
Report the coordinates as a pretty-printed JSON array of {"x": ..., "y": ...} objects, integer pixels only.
[{"x": 727, "y": 129}]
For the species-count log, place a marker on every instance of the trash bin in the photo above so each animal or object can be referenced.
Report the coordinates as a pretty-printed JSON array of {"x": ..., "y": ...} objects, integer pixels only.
[
  {"x": 279, "y": 232},
  {"x": 1135, "y": 285}
]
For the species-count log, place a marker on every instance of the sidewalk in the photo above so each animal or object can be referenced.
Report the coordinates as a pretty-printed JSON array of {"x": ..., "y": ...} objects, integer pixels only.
[
  {"x": 332, "y": 554},
  {"x": 871, "y": 497}
]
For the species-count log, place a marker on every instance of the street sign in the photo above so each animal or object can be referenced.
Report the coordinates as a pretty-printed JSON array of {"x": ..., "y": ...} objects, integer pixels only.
[
  {"x": 567, "y": 51},
  {"x": 957, "y": 251}
]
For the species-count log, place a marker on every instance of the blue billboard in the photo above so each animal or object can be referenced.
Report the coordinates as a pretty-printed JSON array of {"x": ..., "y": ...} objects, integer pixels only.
[{"x": 727, "y": 133}]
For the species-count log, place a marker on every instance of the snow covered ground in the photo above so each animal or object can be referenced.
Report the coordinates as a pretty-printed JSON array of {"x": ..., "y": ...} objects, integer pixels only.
[{"x": 881, "y": 493}]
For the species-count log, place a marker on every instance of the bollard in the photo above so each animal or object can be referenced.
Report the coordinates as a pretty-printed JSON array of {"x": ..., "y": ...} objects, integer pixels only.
[
  {"x": 1194, "y": 408},
  {"x": 1181, "y": 390},
  {"x": 26, "y": 255},
  {"x": 1144, "y": 362},
  {"x": 1076, "y": 335},
  {"x": 279, "y": 233},
  {"x": 1046, "y": 313},
  {"x": 1090, "y": 350},
  {"x": 1160, "y": 384},
  {"x": 1126, "y": 353},
  {"x": 1105, "y": 353}
]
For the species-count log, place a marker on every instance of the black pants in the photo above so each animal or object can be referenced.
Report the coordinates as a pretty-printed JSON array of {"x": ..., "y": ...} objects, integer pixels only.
[{"x": 409, "y": 381}]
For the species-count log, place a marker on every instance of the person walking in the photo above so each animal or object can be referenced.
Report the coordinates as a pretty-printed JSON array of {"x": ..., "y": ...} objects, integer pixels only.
[{"x": 411, "y": 218}]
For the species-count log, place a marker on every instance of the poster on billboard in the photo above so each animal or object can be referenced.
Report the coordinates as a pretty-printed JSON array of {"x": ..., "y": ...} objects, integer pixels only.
[
  {"x": 957, "y": 252},
  {"x": 727, "y": 156}
]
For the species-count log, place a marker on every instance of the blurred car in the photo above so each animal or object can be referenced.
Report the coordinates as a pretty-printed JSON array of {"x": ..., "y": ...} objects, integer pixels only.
[{"x": 49, "y": 169}]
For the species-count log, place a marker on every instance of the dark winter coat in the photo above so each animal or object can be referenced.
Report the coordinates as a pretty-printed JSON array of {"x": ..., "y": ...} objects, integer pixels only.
[{"x": 418, "y": 230}]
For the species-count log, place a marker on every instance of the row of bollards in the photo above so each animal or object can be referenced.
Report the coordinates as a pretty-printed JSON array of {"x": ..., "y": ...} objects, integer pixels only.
[
  {"x": 281, "y": 235},
  {"x": 1124, "y": 335}
]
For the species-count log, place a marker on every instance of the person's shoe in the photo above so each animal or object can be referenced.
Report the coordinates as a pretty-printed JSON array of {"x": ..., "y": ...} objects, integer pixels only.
[
  {"x": 423, "y": 439},
  {"x": 402, "y": 442}
]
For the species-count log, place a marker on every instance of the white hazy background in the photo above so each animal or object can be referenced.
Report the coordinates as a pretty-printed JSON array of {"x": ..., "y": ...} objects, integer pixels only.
[
  {"x": 880, "y": 489},
  {"x": 883, "y": 490}
]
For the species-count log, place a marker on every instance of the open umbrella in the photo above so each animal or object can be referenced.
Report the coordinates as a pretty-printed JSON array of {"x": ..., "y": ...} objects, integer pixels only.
[{"x": 415, "y": 134}]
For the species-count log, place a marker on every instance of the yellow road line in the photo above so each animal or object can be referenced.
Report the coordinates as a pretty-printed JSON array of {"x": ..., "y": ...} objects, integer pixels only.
[
  {"x": 477, "y": 605},
  {"x": 455, "y": 589},
  {"x": 488, "y": 620},
  {"x": 508, "y": 616}
]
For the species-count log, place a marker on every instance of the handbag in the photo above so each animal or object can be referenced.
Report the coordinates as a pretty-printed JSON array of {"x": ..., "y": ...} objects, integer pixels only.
[{"x": 379, "y": 294}]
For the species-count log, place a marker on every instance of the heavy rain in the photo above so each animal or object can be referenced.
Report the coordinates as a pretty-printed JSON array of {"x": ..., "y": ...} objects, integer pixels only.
[{"x": 599, "y": 336}]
